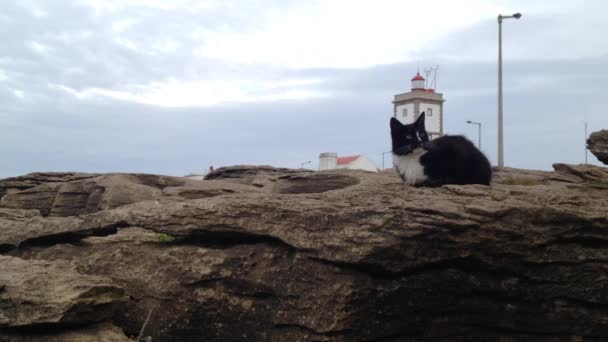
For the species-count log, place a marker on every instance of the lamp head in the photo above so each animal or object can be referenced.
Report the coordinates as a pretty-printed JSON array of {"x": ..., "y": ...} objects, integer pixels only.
[{"x": 517, "y": 15}]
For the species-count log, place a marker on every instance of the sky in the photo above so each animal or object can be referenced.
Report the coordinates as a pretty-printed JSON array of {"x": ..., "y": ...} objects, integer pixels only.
[{"x": 173, "y": 87}]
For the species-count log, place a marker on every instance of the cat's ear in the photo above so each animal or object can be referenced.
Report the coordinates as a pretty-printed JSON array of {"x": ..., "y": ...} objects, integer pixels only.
[
  {"x": 395, "y": 123},
  {"x": 420, "y": 121},
  {"x": 421, "y": 129}
]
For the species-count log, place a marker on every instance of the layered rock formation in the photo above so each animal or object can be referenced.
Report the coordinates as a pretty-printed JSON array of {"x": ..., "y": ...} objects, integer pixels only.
[
  {"x": 264, "y": 254},
  {"x": 598, "y": 145}
]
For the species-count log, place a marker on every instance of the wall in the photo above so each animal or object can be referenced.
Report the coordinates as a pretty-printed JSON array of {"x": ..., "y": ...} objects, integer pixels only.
[
  {"x": 432, "y": 123},
  {"x": 327, "y": 161},
  {"x": 410, "y": 111}
]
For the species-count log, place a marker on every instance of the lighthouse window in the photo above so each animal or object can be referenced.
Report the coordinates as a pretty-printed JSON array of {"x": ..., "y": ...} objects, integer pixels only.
[
  {"x": 429, "y": 112},
  {"x": 405, "y": 112}
]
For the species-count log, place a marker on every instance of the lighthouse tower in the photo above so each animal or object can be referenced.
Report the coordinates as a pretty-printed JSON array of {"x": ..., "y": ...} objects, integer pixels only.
[{"x": 408, "y": 106}]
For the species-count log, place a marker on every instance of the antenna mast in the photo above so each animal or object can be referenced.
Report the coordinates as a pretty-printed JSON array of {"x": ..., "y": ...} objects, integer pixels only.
[{"x": 431, "y": 83}]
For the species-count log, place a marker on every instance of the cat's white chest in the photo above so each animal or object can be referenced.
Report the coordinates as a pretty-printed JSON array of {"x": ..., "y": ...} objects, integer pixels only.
[{"x": 409, "y": 167}]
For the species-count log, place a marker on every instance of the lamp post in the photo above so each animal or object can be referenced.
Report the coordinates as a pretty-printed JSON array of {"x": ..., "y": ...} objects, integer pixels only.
[
  {"x": 383, "y": 153},
  {"x": 501, "y": 162},
  {"x": 478, "y": 132},
  {"x": 304, "y": 163},
  {"x": 586, "y": 149}
]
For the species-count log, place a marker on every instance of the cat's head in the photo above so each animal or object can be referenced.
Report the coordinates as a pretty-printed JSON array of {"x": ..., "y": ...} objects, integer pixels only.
[{"x": 407, "y": 138}]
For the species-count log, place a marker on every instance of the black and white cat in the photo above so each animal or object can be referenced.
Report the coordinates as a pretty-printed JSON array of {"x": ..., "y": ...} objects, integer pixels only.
[{"x": 450, "y": 159}]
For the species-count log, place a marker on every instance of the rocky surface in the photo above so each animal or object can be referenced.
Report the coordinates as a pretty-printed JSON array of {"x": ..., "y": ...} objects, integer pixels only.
[
  {"x": 598, "y": 145},
  {"x": 103, "y": 332},
  {"x": 263, "y": 177},
  {"x": 39, "y": 293},
  {"x": 291, "y": 255}
]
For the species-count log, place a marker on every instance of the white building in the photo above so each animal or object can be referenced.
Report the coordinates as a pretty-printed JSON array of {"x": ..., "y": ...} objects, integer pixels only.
[
  {"x": 195, "y": 176},
  {"x": 331, "y": 161},
  {"x": 199, "y": 176},
  {"x": 408, "y": 106}
]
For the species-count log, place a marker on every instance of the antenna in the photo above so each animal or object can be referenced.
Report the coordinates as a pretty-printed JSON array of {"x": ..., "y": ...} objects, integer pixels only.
[{"x": 431, "y": 71}]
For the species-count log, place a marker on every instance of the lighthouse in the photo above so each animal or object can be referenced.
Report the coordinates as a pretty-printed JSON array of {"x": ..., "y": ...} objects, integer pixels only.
[{"x": 408, "y": 106}]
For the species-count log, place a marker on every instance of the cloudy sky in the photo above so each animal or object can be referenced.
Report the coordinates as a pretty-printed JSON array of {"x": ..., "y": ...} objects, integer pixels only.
[{"x": 171, "y": 87}]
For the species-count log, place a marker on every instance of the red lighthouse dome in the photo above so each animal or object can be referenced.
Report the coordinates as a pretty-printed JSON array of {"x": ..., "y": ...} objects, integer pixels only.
[{"x": 418, "y": 82}]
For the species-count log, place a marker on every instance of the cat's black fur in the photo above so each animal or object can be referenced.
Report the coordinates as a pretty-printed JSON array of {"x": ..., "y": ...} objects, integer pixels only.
[{"x": 450, "y": 159}]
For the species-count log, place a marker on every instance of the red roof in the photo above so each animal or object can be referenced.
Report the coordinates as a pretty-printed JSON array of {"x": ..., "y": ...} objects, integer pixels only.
[
  {"x": 346, "y": 160},
  {"x": 418, "y": 77}
]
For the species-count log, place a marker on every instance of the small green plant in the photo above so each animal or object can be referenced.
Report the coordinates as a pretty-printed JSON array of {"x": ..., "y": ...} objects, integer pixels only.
[
  {"x": 162, "y": 237},
  {"x": 526, "y": 181}
]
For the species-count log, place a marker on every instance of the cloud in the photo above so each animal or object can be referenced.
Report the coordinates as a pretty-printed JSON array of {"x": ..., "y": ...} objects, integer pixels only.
[
  {"x": 173, "y": 93},
  {"x": 173, "y": 87},
  {"x": 547, "y": 31},
  {"x": 342, "y": 34}
]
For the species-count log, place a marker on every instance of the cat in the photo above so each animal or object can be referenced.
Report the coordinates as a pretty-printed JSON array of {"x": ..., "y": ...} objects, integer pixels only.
[{"x": 450, "y": 159}]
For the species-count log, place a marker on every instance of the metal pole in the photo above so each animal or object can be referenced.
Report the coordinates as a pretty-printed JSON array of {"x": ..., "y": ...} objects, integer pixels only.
[
  {"x": 586, "y": 150},
  {"x": 478, "y": 132},
  {"x": 479, "y": 136},
  {"x": 383, "y": 153},
  {"x": 501, "y": 163}
]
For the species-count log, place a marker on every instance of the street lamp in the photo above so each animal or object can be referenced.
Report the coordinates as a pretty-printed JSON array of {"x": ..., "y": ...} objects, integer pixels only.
[
  {"x": 501, "y": 163},
  {"x": 586, "y": 149},
  {"x": 478, "y": 133},
  {"x": 304, "y": 163},
  {"x": 383, "y": 153}
]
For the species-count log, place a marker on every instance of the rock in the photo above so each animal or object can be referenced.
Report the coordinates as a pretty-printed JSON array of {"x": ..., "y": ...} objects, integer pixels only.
[
  {"x": 337, "y": 255},
  {"x": 259, "y": 176},
  {"x": 16, "y": 184},
  {"x": 509, "y": 176},
  {"x": 34, "y": 179},
  {"x": 75, "y": 194},
  {"x": 317, "y": 183},
  {"x": 87, "y": 195},
  {"x": 17, "y": 214},
  {"x": 103, "y": 332},
  {"x": 598, "y": 145},
  {"x": 281, "y": 180},
  {"x": 591, "y": 174},
  {"x": 201, "y": 189},
  {"x": 40, "y": 293},
  {"x": 39, "y": 230}
]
